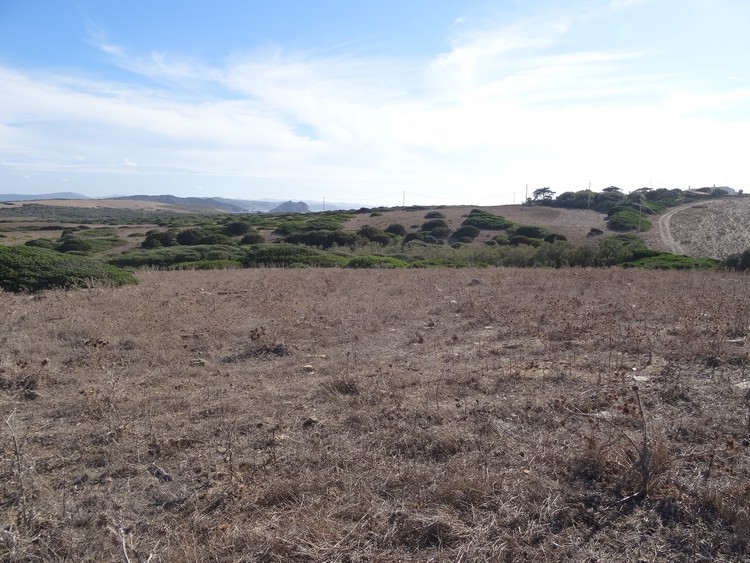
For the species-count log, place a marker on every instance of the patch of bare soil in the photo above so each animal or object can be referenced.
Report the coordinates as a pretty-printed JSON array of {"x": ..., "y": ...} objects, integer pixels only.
[
  {"x": 337, "y": 415},
  {"x": 715, "y": 228},
  {"x": 574, "y": 224}
]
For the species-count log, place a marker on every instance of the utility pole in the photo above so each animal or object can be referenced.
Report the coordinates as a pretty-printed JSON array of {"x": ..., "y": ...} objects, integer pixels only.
[
  {"x": 324, "y": 203},
  {"x": 526, "y": 200},
  {"x": 403, "y": 199}
]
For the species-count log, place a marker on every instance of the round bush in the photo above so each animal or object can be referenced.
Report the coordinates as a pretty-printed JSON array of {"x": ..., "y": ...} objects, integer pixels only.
[
  {"x": 466, "y": 231},
  {"x": 253, "y": 237},
  {"x": 434, "y": 215},
  {"x": 434, "y": 224},
  {"x": 73, "y": 244},
  {"x": 235, "y": 229},
  {"x": 396, "y": 229},
  {"x": 441, "y": 232},
  {"x": 216, "y": 239},
  {"x": 41, "y": 243},
  {"x": 189, "y": 237}
]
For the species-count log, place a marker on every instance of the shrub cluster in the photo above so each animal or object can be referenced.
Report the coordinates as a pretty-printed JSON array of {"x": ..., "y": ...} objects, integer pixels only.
[{"x": 24, "y": 268}]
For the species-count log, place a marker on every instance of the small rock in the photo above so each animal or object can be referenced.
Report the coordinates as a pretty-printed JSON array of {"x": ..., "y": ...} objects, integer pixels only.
[{"x": 308, "y": 368}]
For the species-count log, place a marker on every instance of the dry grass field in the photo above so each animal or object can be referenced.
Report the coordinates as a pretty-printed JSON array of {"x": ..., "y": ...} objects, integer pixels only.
[{"x": 351, "y": 416}]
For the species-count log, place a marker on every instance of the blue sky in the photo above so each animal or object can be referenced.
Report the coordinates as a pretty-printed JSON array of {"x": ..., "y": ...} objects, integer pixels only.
[{"x": 448, "y": 102}]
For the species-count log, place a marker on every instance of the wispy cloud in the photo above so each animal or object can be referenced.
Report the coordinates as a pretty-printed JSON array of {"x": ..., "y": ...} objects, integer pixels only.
[{"x": 506, "y": 105}]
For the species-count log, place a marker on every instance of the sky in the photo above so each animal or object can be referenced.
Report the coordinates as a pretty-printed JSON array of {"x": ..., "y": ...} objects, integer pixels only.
[{"x": 372, "y": 102}]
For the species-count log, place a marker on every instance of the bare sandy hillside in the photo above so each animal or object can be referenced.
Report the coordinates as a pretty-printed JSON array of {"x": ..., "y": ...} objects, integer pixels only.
[
  {"x": 572, "y": 223},
  {"x": 713, "y": 228},
  {"x": 102, "y": 203}
]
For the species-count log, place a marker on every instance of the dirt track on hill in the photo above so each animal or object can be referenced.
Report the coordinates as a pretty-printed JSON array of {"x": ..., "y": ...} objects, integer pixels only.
[{"x": 714, "y": 228}]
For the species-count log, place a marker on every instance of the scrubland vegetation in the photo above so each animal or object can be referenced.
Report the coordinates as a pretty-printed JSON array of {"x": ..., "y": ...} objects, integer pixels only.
[
  {"x": 479, "y": 238},
  {"x": 382, "y": 415}
]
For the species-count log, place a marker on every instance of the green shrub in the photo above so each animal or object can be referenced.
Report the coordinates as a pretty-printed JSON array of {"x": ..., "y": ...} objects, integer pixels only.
[
  {"x": 166, "y": 257},
  {"x": 433, "y": 224},
  {"x": 441, "y": 232},
  {"x": 502, "y": 239},
  {"x": 515, "y": 240},
  {"x": 434, "y": 215},
  {"x": 41, "y": 243},
  {"x": 488, "y": 221},
  {"x": 74, "y": 244},
  {"x": 376, "y": 262},
  {"x": 628, "y": 220},
  {"x": 189, "y": 237},
  {"x": 155, "y": 239},
  {"x": 739, "y": 261},
  {"x": 530, "y": 231},
  {"x": 24, "y": 268},
  {"x": 323, "y": 238},
  {"x": 290, "y": 255},
  {"x": 216, "y": 239},
  {"x": 396, "y": 229},
  {"x": 235, "y": 229},
  {"x": 253, "y": 237},
  {"x": 667, "y": 261},
  {"x": 466, "y": 231}
]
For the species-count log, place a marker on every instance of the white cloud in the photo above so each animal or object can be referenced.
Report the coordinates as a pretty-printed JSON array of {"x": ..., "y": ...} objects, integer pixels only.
[{"x": 505, "y": 106}]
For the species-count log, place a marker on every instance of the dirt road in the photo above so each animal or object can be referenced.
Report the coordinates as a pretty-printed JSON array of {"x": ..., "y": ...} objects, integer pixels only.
[
  {"x": 714, "y": 228},
  {"x": 665, "y": 234}
]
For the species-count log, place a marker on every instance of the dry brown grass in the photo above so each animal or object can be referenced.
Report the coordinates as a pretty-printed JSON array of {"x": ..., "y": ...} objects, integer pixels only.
[{"x": 271, "y": 415}]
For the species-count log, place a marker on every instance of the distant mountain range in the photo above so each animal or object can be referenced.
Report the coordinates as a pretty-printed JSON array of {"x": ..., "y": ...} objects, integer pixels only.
[
  {"x": 222, "y": 204},
  {"x": 56, "y": 195}
]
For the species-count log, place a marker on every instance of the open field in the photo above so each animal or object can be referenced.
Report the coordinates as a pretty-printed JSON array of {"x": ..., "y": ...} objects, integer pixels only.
[{"x": 337, "y": 415}]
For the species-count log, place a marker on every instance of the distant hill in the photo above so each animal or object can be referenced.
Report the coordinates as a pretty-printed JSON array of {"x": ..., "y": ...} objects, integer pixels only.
[
  {"x": 291, "y": 207},
  {"x": 228, "y": 205},
  {"x": 212, "y": 203},
  {"x": 56, "y": 195}
]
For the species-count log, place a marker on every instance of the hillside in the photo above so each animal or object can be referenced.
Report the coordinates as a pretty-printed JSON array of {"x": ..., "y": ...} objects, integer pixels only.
[
  {"x": 714, "y": 228},
  {"x": 574, "y": 224}
]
